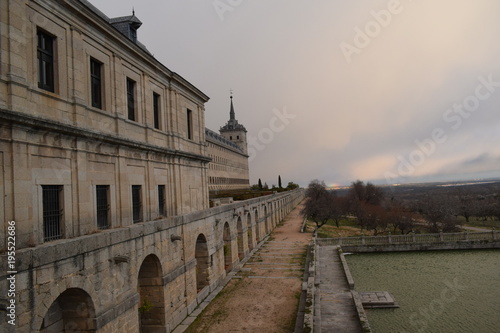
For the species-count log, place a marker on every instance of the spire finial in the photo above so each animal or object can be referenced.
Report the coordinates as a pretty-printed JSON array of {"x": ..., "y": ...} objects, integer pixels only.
[
  {"x": 133, "y": 11},
  {"x": 231, "y": 110}
]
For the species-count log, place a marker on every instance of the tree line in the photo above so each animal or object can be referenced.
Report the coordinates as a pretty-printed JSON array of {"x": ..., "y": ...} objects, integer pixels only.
[
  {"x": 279, "y": 188},
  {"x": 376, "y": 210}
]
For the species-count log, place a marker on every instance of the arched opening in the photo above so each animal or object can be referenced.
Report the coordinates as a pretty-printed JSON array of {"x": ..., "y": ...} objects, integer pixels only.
[
  {"x": 202, "y": 262},
  {"x": 266, "y": 220},
  {"x": 241, "y": 249},
  {"x": 151, "y": 300},
  {"x": 257, "y": 227},
  {"x": 72, "y": 311},
  {"x": 277, "y": 212},
  {"x": 282, "y": 211},
  {"x": 227, "y": 248},
  {"x": 274, "y": 214},
  {"x": 249, "y": 231}
]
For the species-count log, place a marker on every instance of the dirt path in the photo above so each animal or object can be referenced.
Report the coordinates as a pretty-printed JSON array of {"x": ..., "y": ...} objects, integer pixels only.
[{"x": 265, "y": 297}]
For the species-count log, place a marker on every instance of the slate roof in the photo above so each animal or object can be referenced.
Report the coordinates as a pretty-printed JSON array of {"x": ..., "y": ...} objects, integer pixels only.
[
  {"x": 121, "y": 23},
  {"x": 209, "y": 134},
  {"x": 130, "y": 18},
  {"x": 232, "y": 124}
]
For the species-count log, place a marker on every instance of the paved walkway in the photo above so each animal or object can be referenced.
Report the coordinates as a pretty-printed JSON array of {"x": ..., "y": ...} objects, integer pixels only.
[
  {"x": 265, "y": 297},
  {"x": 337, "y": 312},
  {"x": 475, "y": 229}
]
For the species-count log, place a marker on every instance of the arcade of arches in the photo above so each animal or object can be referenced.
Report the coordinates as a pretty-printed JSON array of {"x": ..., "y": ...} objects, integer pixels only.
[{"x": 175, "y": 271}]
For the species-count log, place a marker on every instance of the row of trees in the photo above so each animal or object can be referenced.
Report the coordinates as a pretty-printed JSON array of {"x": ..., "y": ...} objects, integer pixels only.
[
  {"x": 290, "y": 186},
  {"x": 374, "y": 211},
  {"x": 365, "y": 202}
]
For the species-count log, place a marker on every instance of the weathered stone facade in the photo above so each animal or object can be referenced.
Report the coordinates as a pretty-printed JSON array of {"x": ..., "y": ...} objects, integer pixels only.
[
  {"x": 58, "y": 138},
  {"x": 103, "y": 164}
]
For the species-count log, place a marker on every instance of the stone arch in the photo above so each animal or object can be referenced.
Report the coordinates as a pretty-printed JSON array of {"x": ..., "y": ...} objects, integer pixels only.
[
  {"x": 278, "y": 208},
  {"x": 241, "y": 249},
  {"x": 228, "y": 255},
  {"x": 257, "y": 227},
  {"x": 281, "y": 211},
  {"x": 266, "y": 220},
  {"x": 151, "y": 297},
  {"x": 249, "y": 231},
  {"x": 202, "y": 262},
  {"x": 72, "y": 311},
  {"x": 273, "y": 216}
]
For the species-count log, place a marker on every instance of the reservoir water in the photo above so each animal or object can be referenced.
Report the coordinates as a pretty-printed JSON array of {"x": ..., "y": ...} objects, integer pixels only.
[{"x": 438, "y": 292}]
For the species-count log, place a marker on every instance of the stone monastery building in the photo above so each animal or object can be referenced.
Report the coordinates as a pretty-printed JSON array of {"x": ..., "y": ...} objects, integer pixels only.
[
  {"x": 105, "y": 173},
  {"x": 229, "y": 167}
]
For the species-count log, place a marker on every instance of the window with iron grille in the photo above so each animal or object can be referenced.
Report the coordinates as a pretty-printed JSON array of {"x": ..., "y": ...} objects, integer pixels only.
[
  {"x": 102, "y": 200},
  {"x": 136, "y": 203},
  {"x": 52, "y": 212},
  {"x": 131, "y": 99},
  {"x": 96, "y": 83},
  {"x": 190, "y": 124},
  {"x": 156, "y": 110},
  {"x": 45, "y": 55},
  {"x": 161, "y": 200}
]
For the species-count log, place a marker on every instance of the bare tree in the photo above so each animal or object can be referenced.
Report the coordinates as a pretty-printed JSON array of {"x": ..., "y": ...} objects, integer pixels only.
[
  {"x": 365, "y": 203},
  {"x": 466, "y": 203},
  {"x": 369, "y": 193},
  {"x": 437, "y": 212},
  {"x": 400, "y": 218},
  {"x": 320, "y": 203}
]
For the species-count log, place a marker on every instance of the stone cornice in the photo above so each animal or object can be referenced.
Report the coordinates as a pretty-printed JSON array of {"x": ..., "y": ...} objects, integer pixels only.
[{"x": 66, "y": 129}]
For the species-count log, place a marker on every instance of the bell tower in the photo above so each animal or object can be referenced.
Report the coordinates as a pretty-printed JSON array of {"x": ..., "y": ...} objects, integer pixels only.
[{"x": 233, "y": 131}]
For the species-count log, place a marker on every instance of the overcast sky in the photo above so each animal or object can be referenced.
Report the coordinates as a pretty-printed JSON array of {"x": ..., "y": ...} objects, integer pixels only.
[{"x": 381, "y": 91}]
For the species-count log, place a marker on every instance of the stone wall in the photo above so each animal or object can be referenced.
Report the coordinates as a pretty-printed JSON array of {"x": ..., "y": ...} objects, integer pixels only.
[
  {"x": 462, "y": 245},
  {"x": 150, "y": 274},
  {"x": 417, "y": 242}
]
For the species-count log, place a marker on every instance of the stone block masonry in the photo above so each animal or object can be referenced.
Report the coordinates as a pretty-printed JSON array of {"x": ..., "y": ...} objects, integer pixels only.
[{"x": 150, "y": 274}]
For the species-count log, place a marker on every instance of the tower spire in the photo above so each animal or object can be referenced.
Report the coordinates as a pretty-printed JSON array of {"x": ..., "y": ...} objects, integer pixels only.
[
  {"x": 231, "y": 111},
  {"x": 232, "y": 123},
  {"x": 233, "y": 131}
]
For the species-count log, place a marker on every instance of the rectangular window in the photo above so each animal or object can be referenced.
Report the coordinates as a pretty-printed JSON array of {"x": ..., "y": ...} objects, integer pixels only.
[
  {"x": 131, "y": 99},
  {"x": 103, "y": 209},
  {"x": 156, "y": 110},
  {"x": 45, "y": 55},
  {"x": 96, "y": 83},
  {"x": 161, "y": 200},
  {"x": 190, "y": 124},
  {"x": 136, "y": 203},
  {"x": 52, "y": 212}
]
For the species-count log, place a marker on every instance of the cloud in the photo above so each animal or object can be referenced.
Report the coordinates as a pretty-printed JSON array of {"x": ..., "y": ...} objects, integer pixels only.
[{"x": 353, "y": 119}]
